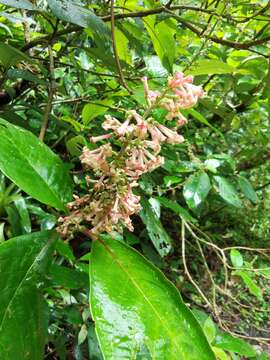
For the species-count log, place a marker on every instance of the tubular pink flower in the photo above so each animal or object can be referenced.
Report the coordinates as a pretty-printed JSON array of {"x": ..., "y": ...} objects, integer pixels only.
[
  {"x": 125, "y": 128},
  {"x": 149, "y": 95},
  {"x": 110, "y": 123},
  {"x": 172, "y": 136},
  {"x": 96, "y": 159},
  {"x": 95, "y": 139}
]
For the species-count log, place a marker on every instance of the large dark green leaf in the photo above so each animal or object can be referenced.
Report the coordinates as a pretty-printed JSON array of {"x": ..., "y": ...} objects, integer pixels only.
[
  {"x": 33, "y": 167},
  {"x": 176, "y": 208},
  {"x": 196, "y": 189},
  {"x": 156, "y": 231},
  {"x": 10, "y": 56},
  {"x": 247, "y": 189},
  {"x": 23, "y": 312},
  {"x": 73, "y": 12},
  {"x": 227, "y": 191},
  {"x": 19, "y": 4},
  {"x": 136, "y": 309}
]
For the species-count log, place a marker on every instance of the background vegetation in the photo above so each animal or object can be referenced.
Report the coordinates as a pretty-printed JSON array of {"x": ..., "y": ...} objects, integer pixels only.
[{"x": 205, "y": 217}]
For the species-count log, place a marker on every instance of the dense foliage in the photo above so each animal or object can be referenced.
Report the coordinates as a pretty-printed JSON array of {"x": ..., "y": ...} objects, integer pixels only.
[{"x": 134, "y": 152}]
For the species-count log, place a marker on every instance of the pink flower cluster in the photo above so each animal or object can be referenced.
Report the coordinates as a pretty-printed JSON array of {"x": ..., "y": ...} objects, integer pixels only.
[{"x": 111, "y": 200}]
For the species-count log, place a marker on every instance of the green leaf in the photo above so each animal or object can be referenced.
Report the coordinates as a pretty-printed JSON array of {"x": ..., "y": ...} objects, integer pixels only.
[
  {"x": 236, "y": 258},
  {"x": 19, "y": 4},
  {"x": 24, "y": 215},
  {"x": 75, "y": 13},
  {"x": 162, "y": 37},
  {"x": 33, "y": 167},
  {"x": 24, "y": 263},
  {"x": 209, "y": 67},
  {"x": 10, "y": 56},
  {"x": 67, "y": 277},
  {"x": 196, "y": 189},
  {"x": 24, "y": 74},
  {"x": 176, "y": 208},
  {"x": 247, "y": 189},
  {"x": 156, "y": 231},
  {"x": 209, "y": 329},
  {"x": 90, "y": 111},
  {"x": 250, "y": 283},
  {"x": 198, "y": 116},
  {"x": 145, "y": 313},
  {"x": 82, "y": 334},
  {"x": 227, "y": 191},
  {"x": 227, "y": 342},
  {"x": 220, "y": 354}
]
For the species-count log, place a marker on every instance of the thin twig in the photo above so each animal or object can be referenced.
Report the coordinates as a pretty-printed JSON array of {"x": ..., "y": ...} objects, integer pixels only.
[
  {"x": 183, "y": 238},
  {"x": 51, "y": 90},
  {"x": 117, "y": 60}
]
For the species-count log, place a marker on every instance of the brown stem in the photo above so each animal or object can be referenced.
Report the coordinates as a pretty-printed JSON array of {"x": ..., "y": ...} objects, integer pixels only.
[
  {"x": 117, "y": 61},
  {"x": 51, "y": 91}
]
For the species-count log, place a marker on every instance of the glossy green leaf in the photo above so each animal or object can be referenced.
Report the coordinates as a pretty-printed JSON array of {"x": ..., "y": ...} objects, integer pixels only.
[
  {"x": 24, "y": 263},
  {"x": 228, "y": 342},
  {"x": 236, "y": 258},
  {"x": 162, "y": 37},
  {"x": 90, "y": 111},
  {"x": 19, "y": 4},
  {"x": 156, "y": 231},
  {"x": 24, "y": 215},
  {"x": 10, "y": 56},
  {"x": 145, "y": 313},
  {"x": 196, "y": 189},
  {"x": 227, "y": 191},
  {"x": 247, "y": 189},
  {"x": 33, "y": 167},
  {"x": 208, "y": 67}
]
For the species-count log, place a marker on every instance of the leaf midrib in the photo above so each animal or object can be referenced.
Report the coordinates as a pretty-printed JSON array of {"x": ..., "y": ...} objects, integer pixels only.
[{"x": 114, "y": 256}]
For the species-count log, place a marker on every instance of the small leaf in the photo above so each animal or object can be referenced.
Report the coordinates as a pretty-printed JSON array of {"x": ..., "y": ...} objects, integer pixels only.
[
  {"x": 82, "y": 334},
  {"x": 33, "y": 167},
  {"x": 146, "y": 312},
  {"x": 247, "y": 189},
  {"x": 90, "y": 111},
  {"x": 196, "y": 189},
  {"x": 250, "y": 283},
  {"x": 236, "y": 258},
  {"x": 208, "y": 67},
  {"x": 156, "y": 231},
  {"x": 227, "y": 191}
]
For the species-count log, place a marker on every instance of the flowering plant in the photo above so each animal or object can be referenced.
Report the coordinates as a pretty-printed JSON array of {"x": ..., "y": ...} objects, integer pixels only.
[{"x": 111, "y": 201}]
